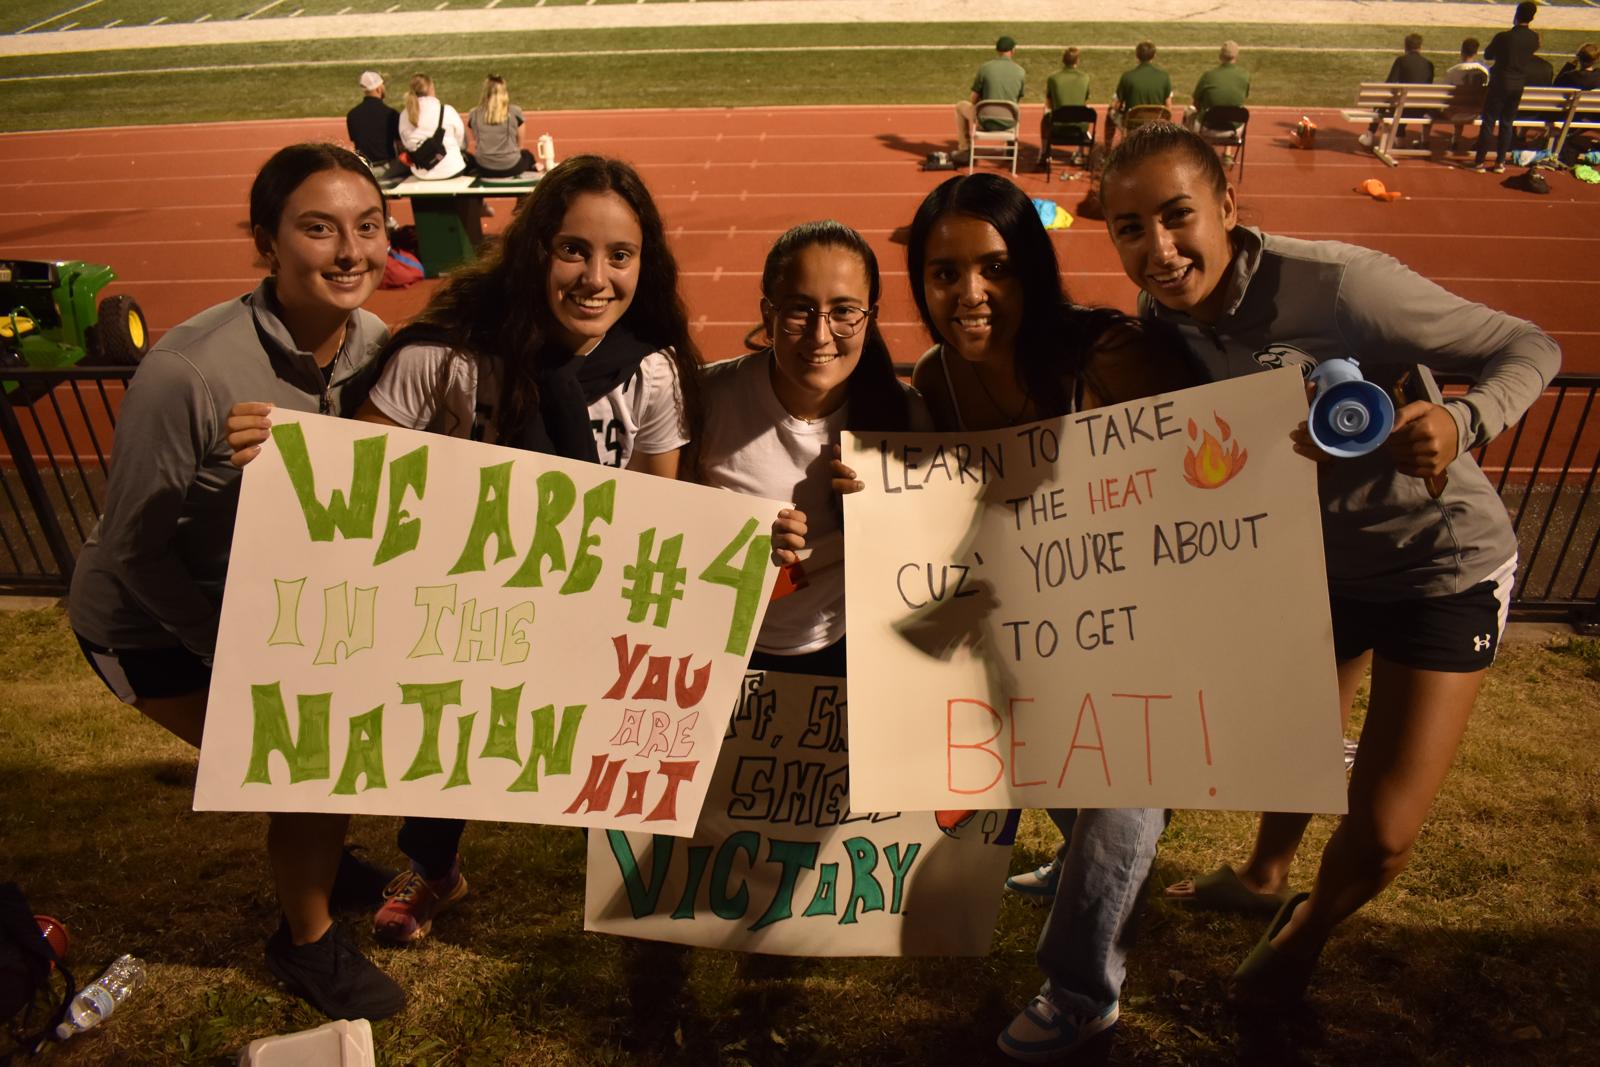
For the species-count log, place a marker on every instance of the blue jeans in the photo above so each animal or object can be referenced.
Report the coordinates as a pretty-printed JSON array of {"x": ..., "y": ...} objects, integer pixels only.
[{"x": 1104, "y": 859}]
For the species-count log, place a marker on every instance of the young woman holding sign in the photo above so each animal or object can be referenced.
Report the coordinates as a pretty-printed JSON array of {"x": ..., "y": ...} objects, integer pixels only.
[
  {"x": 568, "y": 337},
  {"x": 1012, "y": 350},
  {"x": 147, "y": 591},
  {"x": 773, "y": 421},
  {"x": 1420, "y": 554}
]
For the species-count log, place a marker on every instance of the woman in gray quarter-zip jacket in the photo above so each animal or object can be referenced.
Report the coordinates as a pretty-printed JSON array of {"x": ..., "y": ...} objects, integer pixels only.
[
  {"x": 1420, "y": 554},
  {"x": 146, "y": 594}
]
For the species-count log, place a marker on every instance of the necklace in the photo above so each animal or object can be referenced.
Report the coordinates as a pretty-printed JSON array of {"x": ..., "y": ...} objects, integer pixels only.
[{"x": 1008, "y": 416}]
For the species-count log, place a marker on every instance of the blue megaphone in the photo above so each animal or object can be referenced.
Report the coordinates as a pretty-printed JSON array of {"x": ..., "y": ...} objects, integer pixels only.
[{"x": 1349, "y": 415}]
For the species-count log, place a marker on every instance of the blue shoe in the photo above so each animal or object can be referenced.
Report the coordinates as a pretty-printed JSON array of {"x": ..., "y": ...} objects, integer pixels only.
[
  {"x": 1043, "y": 1033},
  {"x": 1039, "y": 885}
]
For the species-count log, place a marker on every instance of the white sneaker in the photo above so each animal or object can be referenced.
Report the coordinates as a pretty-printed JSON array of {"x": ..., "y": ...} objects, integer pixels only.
[
  {"x": 1038, "y": 885},
  {"x": 1043, "y": 1033},
  {"x": 1365, "y": 140}
]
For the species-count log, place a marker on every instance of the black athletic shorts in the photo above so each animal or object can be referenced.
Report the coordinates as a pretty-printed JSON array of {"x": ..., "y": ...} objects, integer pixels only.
[
  {"x": 134, "y": 673},
  {"x": 1458, "y": 633}
]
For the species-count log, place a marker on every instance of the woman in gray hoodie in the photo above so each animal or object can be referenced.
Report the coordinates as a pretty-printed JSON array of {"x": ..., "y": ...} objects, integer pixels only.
[
  {"x": 146, "y": 595},
  {"x": 1420, "y": 554}
]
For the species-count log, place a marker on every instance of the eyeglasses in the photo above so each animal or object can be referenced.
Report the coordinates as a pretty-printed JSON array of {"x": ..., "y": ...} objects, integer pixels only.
[{"x": 843, "y": 321}]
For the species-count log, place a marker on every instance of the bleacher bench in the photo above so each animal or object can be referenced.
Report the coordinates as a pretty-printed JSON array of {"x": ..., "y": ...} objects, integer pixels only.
[{"x": 1395, "y": 104}]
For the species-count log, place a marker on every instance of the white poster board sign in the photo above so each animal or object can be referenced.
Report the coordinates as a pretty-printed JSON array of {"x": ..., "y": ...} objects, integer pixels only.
[
  {"x": 1122, "y": 608},
  {"x": 420, "y": 625},
  {"x": 781, "y": 864}
]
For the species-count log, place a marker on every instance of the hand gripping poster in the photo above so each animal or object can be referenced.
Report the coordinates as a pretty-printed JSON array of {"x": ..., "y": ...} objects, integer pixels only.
[
  {"x": 420, "y": 625},
  {"x": 1126, "y": 607},
  {"x": 781, "y": 863}
]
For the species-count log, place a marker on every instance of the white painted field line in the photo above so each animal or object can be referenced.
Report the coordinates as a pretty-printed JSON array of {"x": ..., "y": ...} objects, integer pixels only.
[
  {"x": 391, "y": 9},
  {"x": 68, "y": 26},
  {"x": 62, "y": 15},
  {"x": 113, "y": 22},
  {"x": 442, "y": 6},
  {"x": 342, "y": 10},
  {"x": 297, "y": 12},
  {"x": 491, "y": 5},
  {"x": 268, "y": 6},
  {"x": 158, "y": 20},
  {"x": 204, "y": 18}
]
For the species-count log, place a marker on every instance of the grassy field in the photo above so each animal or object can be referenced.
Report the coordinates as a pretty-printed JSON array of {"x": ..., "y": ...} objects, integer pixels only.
[
  {"x": 1483, "y": 952},
  {"x": 685, "y": 67}
]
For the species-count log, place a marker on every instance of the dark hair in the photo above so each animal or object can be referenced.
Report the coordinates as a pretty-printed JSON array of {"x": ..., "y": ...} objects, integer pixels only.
[
  {"x": 1158, "y": 138},
  {"x": 1525, "y": 12},
  {"x": 1469, "y": 47},
  {"x": 1413, "y": 42},
  {"x": 288, "y": 169},
  {"x": 877, "y": 401},
  {"x": 496, "y": 308},
  {"x": 1588, "y": 54},
  {"x": 1144, "y": 51},
  {"x": 1054, "y": 335},
  {"x": 1069, "y": 58}
]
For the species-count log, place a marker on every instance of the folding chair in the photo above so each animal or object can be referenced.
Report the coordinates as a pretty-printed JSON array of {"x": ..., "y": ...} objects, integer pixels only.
[
  {"x": 1068, "y": 125},
  {"x": 1227, "y": 126},
  {"x": 994, "y": 144},
  {"x": 1142, "y": 115}
]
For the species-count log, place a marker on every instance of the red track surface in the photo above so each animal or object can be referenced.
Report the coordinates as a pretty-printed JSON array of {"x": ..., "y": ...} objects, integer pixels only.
[{"x": 165, "y": 206}]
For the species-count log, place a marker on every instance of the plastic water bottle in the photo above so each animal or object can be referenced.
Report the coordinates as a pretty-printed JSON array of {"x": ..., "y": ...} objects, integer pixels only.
[
  {"x": 545, "y": 151},
  {"x": 96, "y": 1001}
]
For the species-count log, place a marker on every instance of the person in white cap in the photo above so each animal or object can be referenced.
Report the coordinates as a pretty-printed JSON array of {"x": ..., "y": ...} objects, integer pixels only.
[{"x": 373, "y": 126}]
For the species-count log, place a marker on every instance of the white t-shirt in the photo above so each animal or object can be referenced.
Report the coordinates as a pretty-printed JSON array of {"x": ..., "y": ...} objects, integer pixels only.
[
  {"x": 433, "y": 388},
  {"x": 752, "y": 445},
  {"x": 427, "y": 121}
]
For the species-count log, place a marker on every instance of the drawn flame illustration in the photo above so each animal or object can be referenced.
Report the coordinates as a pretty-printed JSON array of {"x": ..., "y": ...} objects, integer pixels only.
[{"x": 1215, "y": 461}]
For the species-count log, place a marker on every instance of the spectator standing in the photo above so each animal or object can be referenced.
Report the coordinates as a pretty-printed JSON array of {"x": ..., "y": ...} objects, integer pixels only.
[
  {"x": 1225, "y": 85},
  {"x": 1410, "y": 67},
  {"x": 1142, "y": 86},
  {"x": 1469, "y": 77},
  {"x": 1512, "y": 52},
  {"x": 496, "y": 127},
  {"x": 374, "y": 128},
  {"x": 1002, "y": 78},
  {"x": 424, "y": 114},
  {"x": 1067, "y": 87}
]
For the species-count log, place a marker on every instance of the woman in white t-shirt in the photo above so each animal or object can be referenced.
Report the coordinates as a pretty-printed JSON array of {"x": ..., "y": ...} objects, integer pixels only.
[
  {"x": 568, "y": 337},
  {"x": 773, "y": 420},
  {"x": 424, "y": 113}
]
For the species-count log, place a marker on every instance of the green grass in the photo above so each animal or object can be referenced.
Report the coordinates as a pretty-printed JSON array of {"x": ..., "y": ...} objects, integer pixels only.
[
  {"x": 680, "y": 69},
  {"x": 1482, "y": 952}
]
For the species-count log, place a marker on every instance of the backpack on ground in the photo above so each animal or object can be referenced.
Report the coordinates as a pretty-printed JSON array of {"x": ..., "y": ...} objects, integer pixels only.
[{"x": 26, "y": 959}]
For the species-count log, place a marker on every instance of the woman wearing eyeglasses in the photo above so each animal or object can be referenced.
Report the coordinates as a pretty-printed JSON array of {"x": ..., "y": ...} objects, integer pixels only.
[{"x": 773, "y": 420}]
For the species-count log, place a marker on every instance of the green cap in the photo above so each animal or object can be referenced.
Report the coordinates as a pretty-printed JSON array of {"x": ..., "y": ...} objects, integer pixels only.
[{"x": 1005, "y": 44}]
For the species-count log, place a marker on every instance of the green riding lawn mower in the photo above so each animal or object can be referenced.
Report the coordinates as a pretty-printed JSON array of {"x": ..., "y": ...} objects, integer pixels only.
[{"x": 49, "y": 320}]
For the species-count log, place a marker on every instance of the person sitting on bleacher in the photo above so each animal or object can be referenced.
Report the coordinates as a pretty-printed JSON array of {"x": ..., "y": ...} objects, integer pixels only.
[
  {"x": 1145, "y": 85},
  {"x": 1512, "y": 52},
  {"x": 1580, "y": 73},
  {"x": 1002, "y": 78},
  {"x": 425, "y": 113},
  {"x": 496, "y": 126},
  {"x": 1225, "y": 85},
  {"x": 1067, "y": 87},
  {"x": 1469, "y": 77},
  {"x": 1410, "y": 67},
  {"x": 374, "y": 127}
]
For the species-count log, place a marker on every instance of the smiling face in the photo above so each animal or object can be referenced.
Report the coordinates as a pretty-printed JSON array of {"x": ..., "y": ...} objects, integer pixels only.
[
  {"x": 973, "y": 296},
  {"x": 811, "y": 370},
  {"x": 594, "y": 268},
  {"x": 1171, "y": 228},
  {"x": 330, "y": 246}
]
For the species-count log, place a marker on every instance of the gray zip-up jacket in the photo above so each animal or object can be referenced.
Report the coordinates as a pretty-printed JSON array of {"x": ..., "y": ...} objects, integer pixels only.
[
  {"x": 1292, "y": 302},
  {"x": 151, "y": 574}
]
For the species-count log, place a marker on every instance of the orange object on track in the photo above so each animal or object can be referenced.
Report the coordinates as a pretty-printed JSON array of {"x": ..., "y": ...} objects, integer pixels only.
[{"x": 1375, "y": 189}]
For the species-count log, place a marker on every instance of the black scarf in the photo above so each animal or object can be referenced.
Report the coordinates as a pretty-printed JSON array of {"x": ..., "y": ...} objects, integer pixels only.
[{"x": 567, "y": 384}]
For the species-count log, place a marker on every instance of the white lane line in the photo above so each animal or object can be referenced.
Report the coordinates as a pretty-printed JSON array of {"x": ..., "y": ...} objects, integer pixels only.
[
  {"x": 68, "y": 26},
  {"x": 491, "y": 4},
  {"x": 297, "y": 12},
  {"x": 62, "y": 15},
  {"x": 442, "y": 6},
  {"x": 268, "y": 6},
  {"x": 391, "y": 9},
  {"x": 158, "y": 20},
  {"x": 113, "y": 22},
  {"x": 204, "y": 18},
  {"x": 343, "y": 10}
]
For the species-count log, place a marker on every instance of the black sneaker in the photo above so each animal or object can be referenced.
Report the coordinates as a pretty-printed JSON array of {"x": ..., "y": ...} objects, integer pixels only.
[
  {"x": 359, "y": 883},
  {"x": 333, "y": 975}
]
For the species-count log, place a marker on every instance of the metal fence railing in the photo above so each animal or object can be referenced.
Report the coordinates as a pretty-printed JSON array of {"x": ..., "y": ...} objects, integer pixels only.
[{"x": 57, "y": 428}]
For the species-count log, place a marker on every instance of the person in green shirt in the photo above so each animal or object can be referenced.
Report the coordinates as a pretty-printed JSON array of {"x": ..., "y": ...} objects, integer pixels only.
[
  {"x": 1143, "y": 86},
  {"x": 999, "y": 79},
  {"x": 1225, "y": 85},
  {"x": 1067, "y": 87}
]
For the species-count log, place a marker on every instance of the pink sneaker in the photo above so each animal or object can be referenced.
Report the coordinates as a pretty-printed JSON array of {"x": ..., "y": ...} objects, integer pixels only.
[{"x": 411, "y": 902}]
